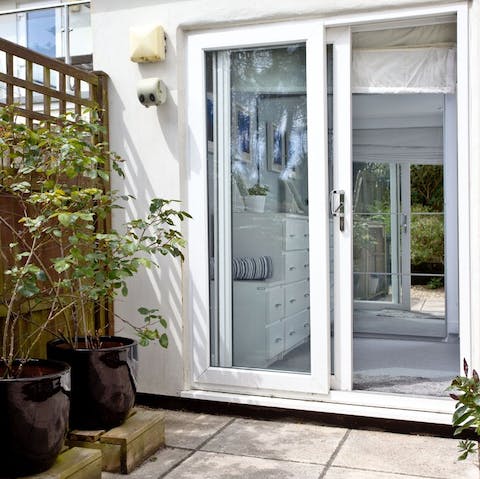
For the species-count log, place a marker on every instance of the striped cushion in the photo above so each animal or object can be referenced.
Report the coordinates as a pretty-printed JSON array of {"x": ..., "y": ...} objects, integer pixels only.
[{"x": 252, "y": 268}]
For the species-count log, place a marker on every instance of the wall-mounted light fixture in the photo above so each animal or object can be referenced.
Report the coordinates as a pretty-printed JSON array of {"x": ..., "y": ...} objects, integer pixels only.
[
  {"x": 147, "y": 44},
  {"x": 151, "y": 91}
]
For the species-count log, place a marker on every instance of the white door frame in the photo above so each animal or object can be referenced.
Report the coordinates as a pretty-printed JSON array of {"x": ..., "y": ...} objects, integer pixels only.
[
  {"x": 235, "y": 381},
  {"x": 203, "y": 375},
  {"x": 340, "y": 38}
]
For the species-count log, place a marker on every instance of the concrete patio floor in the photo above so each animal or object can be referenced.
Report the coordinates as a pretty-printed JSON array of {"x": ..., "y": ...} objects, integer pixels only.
[{"x": 216, "y": 447}]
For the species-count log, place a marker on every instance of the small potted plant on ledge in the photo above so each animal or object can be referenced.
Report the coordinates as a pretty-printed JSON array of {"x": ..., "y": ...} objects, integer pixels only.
[
  {"x": 255, "y": 201},
  {"x": 57, "y": 181},
  {"x": 466, "y": 418}
]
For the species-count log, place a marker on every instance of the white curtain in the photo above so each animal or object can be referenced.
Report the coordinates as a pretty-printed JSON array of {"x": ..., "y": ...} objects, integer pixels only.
[{"x": 405, "y": 60}]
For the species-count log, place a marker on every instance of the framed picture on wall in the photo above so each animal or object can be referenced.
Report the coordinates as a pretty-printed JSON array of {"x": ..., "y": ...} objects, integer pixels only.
[
  {"x": 276, "y": 147},
  {"x": 241, "y": 133}
]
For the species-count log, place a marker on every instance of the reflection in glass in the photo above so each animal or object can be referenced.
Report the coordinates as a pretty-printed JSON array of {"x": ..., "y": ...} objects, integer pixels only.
[
  {"x": 401, "y": 342},
  {"x": 41, "y": 31},
  {"x": 258, "y": 208}
]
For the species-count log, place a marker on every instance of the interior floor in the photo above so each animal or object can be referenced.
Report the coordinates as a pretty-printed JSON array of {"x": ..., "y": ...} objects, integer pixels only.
[
  {"x": 398, "y": 322},
  {"x": 404, "y": 366}
]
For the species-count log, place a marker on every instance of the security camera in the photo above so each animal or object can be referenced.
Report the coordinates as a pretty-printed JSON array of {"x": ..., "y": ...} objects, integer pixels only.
[{"x": 151, "y": 91}]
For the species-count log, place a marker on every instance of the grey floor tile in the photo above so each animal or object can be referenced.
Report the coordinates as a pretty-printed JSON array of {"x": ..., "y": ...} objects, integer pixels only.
[
  {"x": 208, "y": 465},
  {"x": 277, "y": 440},
  {"x": 153, "y": 467},
  {"x": 342, "y": 473},
  {"x": 189, "y": 430},
  {"x": 404, "y": 454}
]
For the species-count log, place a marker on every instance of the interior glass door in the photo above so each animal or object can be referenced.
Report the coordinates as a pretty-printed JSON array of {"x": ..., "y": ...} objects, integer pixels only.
[{"x": 398, "y": 245}]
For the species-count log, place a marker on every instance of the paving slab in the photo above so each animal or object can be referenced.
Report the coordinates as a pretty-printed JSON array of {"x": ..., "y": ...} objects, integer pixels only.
[
  {"x": 342, "y": 473},
  {"x": 210, "y": 465},
  {"x": 277, "y": 440},
  {"x": 422, "y": 456},
  {"x": 155, "y": 466},
  {"x": 190, "y": 430}
]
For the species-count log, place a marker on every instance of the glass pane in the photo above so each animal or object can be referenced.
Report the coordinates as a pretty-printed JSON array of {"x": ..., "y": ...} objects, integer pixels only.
[
  {"x": 373, "y": 207},
  {"x": 80, "y": 34},
  {"x": 401, "y": 342},
  {"x": 331, "y": 186},
  {"x": 258, "y": 203},
  {"x": 41, "y": 31}
]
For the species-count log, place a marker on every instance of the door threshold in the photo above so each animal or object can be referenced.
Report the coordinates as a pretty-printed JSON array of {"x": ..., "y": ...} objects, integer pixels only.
[{"x": 363, "y": 404}]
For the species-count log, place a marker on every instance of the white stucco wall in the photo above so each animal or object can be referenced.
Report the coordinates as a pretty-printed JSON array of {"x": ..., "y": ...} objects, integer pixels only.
[{"x": 152, "y": 140}]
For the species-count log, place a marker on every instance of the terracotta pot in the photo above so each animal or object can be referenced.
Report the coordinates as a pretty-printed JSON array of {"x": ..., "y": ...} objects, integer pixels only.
[
  {"x": 34, "y": 417},
  {"x": 103, "y": 381}
]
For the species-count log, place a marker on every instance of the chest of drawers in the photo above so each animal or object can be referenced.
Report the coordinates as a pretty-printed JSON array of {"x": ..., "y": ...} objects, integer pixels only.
[{"x": 271, "y": 317}]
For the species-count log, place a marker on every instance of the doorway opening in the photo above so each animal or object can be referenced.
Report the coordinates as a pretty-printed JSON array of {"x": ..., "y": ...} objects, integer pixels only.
[{"x": 404, "y": 212}]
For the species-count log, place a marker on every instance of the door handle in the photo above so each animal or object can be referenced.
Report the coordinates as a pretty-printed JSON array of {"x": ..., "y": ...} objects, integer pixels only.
[
  {"x": 337, "y": 206},
  {"x": 405, "y": 222}
]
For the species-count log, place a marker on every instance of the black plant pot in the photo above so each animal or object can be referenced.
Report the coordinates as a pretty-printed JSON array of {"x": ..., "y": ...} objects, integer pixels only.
[
  {"x": 103, "y": 381},
  {"x": 34, "y": 411}
]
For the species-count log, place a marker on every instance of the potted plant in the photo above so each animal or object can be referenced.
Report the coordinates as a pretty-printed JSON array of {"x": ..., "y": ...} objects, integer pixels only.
[
  {"x": 255, "y": 201},
  {"x": 34, "y": 393},
  {"x": 467, "y": 409},
  {"x": 58, "y": 178}
]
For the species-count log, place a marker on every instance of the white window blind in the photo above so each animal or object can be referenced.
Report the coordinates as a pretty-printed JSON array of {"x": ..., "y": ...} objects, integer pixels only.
[{"x": 405, "y": 60}]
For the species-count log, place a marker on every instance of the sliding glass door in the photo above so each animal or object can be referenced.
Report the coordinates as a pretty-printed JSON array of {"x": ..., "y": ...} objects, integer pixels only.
[
  {"x": 390, "y": 224},
  {"x": 262, "y": 150},
  {"x": 323, "y": 181}
]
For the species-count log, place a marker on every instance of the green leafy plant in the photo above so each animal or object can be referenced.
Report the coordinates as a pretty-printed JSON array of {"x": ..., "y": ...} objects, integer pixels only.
[
  {"x": 258, "y": 190},
  {"x": 466, "y": 391},
  {"x": 435, "y": 283},
  {"x": 427, "y": 235},
  {"x": 53, "y": 182}
]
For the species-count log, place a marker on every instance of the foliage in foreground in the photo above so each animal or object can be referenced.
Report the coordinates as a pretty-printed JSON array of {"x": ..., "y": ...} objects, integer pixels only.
[
  {"x": 54, "y": 185},
  {"x": 467, "y": 409}
]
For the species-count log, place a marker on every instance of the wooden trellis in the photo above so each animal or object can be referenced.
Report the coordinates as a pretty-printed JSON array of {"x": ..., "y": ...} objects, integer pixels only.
[{"x": 43, "y": 90}]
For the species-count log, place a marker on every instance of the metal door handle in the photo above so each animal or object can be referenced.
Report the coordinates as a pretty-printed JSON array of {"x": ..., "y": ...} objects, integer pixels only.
[
  {"x": 337, "y": 208},
  {"x": 405, "y": 222}
]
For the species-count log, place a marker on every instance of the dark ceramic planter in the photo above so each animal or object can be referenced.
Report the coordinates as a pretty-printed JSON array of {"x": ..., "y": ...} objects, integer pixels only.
[
  {"x": 34, "y": 411},
  {"x": 103, "y": 381}
]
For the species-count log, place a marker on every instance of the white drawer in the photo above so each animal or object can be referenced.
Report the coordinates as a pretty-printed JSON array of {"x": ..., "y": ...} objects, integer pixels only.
[
  {"x": 297, "y": 328},
  {"x": 296, "y": 234},
  {"x": 297, "y": 297},
  {"x": 296, "y": 266},
  {"x": 275, "y": 305},
  {"x": 274, "y": 339}
]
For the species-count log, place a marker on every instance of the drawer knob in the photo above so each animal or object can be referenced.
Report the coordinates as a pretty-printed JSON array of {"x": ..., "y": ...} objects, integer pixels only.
[
  {"x": 277, "y": 305},
  {"x": 305, "y": 265},
  {"x": 291, "y": 236},
  {"x": 306, "y": 325},
  {"x": 291, "y": 268},
  {"x": 291, "y": 333},
  {"x": 305, "y": 235},
  {"x": 277, "y": 340},
  {"x": 292, "y": 300},
  {"x": 306, "y": 295}
]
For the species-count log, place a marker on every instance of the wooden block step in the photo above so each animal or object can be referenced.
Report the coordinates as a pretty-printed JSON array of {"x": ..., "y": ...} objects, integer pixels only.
[
  {"x": 126, "y": 446},
  {"x": 74, "y": 463}
]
